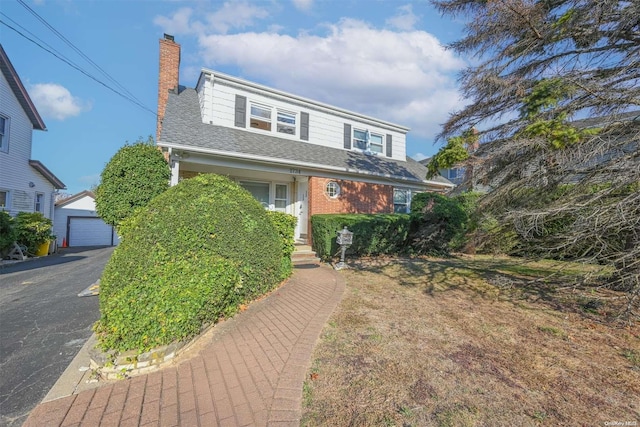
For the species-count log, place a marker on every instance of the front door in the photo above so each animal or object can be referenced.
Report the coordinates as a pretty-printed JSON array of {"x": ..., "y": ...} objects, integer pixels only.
[{"x": 302, "y": 206}]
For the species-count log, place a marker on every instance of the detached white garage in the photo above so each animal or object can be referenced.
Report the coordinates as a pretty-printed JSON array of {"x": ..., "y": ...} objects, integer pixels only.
[{"x": 76, "y": 223}]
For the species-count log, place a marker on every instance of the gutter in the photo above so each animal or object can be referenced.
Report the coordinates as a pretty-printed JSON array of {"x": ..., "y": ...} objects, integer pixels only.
[{"x": 315, "y": 166}]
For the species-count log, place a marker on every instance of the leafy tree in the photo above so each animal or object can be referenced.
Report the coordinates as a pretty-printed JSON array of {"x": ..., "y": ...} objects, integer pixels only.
[
  {"x": 135, "y": 174},
  {"x": 554, "y": 88},
  {"x": 456, "y": 151}
]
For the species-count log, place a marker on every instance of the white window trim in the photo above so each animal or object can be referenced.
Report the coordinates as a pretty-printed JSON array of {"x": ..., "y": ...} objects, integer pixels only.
[
  {"x": 35, "y": 203},
  {"x": 338, "y": 190},
  {"x": 370, "y": 144},
  {"x": 261, "y": 118},
  {"x": 5, "y": 135},
  {"x": 294, "y": 125},
  {"x": 367, "y": 141},
  {"x": 272, "y": 192},
  {"x": 407, "y": 203}
]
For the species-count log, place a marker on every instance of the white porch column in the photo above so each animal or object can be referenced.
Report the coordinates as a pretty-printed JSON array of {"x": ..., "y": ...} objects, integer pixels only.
[{"x": 175, "y": 171}]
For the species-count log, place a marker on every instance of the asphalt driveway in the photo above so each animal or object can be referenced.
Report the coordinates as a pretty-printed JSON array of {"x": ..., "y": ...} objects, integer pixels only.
[{"x": 43, "y": 324}]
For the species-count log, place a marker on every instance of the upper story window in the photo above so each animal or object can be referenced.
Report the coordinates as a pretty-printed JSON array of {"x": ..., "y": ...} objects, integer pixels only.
[
  {"x": 360, "y": 139},
  {"x": 260, "y": 117},
  {"x": 375, "y": 143},
  {"x": 39, "y": 203},
  {"x": 4, "y": 131},
  {"x": 367, "y": 141},
  {"x": 286, "y": 122}
]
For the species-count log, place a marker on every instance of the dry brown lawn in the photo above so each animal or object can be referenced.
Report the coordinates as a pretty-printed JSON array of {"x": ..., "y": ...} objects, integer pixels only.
[{"x": 473, "y": 341}]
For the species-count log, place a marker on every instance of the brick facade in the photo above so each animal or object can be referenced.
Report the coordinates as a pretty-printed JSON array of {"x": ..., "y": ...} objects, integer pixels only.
[
  {"x": 354, "y": 197},
  {"x": 168, "y": 76}
]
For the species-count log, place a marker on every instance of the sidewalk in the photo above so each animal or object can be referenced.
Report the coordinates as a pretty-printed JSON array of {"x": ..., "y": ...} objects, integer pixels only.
[{"x": 249, "y": 374}]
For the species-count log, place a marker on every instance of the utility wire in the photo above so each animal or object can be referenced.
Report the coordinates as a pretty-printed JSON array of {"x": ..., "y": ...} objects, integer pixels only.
[
  {"x": 76, "y": 49},
  {"x": 37, "y": 38},
  {"x": 60, "y": 57}
]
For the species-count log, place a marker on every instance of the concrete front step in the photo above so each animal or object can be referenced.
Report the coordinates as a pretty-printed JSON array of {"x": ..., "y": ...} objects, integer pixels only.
[{"x": 304, "y": 254}]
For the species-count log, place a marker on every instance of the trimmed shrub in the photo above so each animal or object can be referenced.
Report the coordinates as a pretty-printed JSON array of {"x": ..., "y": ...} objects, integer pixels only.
[
  {"x": 134, "y": 175},
  {"x": 192, "y": 255},
  {"x": 32, "y": 229},
  {"x": 435, "y": 221},
  {"x": 373, "y": 234},
  {"x": 7, "y": 232},
  {"x": 285, "y": 226}
]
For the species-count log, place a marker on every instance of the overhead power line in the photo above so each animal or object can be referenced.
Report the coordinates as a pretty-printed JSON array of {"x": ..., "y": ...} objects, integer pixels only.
[
  {"x": 74, "y": 66},
  {"x": 75, "y": 48}
]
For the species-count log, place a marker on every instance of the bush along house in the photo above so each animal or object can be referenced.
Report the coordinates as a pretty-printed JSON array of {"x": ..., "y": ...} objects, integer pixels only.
[{"x": 292, "y": 154}]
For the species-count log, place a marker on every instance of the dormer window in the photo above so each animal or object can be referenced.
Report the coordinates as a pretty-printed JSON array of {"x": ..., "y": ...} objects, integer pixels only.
[
  {"x": 286, "y": 122},
  {"x": 367, "y": 141},
  {"x": 260, "y": 117},
  {"x": 360, "y": 139},
  {"x": 375, "y": 143}
]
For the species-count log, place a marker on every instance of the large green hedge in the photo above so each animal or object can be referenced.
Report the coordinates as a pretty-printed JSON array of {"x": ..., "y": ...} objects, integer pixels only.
[
  {"x": 134, "y": 175},
  {"x": 285, "y": 225},
  {"x": 373, "y": 234},
  {"x": 192, "y": 255}
]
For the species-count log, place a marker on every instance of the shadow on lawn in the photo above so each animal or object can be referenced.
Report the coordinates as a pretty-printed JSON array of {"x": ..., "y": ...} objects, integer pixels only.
[{"x": 552, "y": 283}]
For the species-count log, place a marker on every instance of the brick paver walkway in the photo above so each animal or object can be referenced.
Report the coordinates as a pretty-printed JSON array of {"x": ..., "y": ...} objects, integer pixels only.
[{"x": 250, "y": 374}]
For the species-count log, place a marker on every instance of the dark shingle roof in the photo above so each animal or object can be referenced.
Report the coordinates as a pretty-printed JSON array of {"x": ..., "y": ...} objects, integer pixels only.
[{"x": 182, "y": 125}]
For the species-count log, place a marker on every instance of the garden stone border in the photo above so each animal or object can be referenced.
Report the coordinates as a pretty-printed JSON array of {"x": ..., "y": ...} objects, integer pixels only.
[{"x": 130, "y": 363}]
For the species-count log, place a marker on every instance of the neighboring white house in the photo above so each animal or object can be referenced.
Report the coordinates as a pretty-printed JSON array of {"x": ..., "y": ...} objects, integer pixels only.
[
  {"x": 26, "y": 185},
  {"x": 294, "y": 154},
  {"x": 77, "y": 223}
]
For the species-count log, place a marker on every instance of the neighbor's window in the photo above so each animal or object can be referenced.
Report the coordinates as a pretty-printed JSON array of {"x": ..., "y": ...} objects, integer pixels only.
[
  {"x": 286, "y": 122},
  {"x": 401, "y": 200},
  {"x": 4, "y": 140},
  {"x": 375, "y": 143},
  {"x": 39, "y": 205},
  {"x": 260, "y": 117},
  {"x": 332, "y": 189},
  {"x": 456, "y": 173},
  {"x": 360, "y": 139},
  {"x": 4, "y": 200}
]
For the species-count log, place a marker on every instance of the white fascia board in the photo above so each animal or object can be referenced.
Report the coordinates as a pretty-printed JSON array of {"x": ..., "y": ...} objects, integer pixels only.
[
  {"x": 288, "y": 97},
  {"x": 289, "y": 163}
]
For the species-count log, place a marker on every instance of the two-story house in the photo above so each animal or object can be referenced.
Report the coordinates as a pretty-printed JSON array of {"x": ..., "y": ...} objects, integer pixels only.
[
  {"x": 26, "y": 185},
  {"x": 294, "y": 154}
]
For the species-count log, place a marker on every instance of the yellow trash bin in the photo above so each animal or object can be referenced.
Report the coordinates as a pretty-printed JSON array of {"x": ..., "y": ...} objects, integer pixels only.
[{"x": 43, "y": 249}]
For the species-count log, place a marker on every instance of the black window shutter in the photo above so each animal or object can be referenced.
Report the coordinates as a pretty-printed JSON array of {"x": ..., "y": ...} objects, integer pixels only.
[
  {"x": 389, "y": 143},
  {"x": 347, "y": 136},
  {"x": 304, "y": 126},
  {"x": 241, "y": 111}
]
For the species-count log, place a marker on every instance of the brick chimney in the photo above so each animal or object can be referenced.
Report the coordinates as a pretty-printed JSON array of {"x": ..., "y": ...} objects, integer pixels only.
[{"x": 168, "y": 78}]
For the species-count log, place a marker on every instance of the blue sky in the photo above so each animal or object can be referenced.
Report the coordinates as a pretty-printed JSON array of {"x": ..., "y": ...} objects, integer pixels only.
[{"x": 384, "y": 58}]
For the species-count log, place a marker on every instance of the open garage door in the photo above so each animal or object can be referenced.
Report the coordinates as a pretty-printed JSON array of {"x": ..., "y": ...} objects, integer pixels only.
[{"x": 88, "y": 231}]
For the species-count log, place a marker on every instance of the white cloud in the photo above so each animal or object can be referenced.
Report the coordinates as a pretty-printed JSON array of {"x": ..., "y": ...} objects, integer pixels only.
[
  {"x": 404, "y": 77},
  {"x": 178, "y": 23},
  {"x": 398, "y": 74},
  {"x": 232, "y": 15},
  {"x": 303, "y": 5},
  {"x": 404, "y": 20},
  {"x": 55, "y": 101}
]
